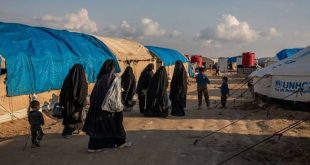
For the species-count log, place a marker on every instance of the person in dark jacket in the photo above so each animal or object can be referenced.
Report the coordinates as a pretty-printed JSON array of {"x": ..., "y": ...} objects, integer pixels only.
[
  {"x": 143, "y": 85},
  {"x": 202, "y": 87},
  {"x": 178, "y": 89},
  {"x": 128, "y": 86},
  {"x": 157, "y": 98},
  {"x": 36, "y": 120},
  {"x": 224, "y": 91},
  {"x": 73, "y": 98},
  {"x": 105, "y": 129}
]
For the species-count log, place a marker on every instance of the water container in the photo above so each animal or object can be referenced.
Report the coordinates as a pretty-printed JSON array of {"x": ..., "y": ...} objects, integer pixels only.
[{"x": 248, "y": 59}]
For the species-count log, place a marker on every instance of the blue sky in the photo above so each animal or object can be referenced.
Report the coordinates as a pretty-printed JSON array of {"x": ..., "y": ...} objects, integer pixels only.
[{"x": 207, "y": 27}]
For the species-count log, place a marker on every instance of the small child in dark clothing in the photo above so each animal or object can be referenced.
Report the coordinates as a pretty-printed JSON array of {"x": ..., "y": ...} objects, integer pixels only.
[
  {"x": 35, "y": 119},
  {"x": 224, "y": 91}
]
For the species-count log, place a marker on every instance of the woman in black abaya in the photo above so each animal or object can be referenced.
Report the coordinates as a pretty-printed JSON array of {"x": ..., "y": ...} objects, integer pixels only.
[
  {"x": 157, "y": 99},
  {"x": 178, "y": 89},
  {"x": 104, "y": 128},
  {"x": 143, "y": 85},
  {"x": 73, "y": 97},
  {"x": 129, "y": 87}
]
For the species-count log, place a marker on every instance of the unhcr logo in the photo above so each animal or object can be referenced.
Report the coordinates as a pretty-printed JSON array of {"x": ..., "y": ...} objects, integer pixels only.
[
  {"x": 291, "y": 86},
  {"x": 278, "y": 84}
]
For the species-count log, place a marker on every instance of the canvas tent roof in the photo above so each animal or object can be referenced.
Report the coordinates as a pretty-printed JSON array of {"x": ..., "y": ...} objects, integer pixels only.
[
  {"x": 284, "y": 53},
  {"x": 168, "y": 56},
  {"x": 297, "y": 64},
  {"x": 126, "y": 49},
  {"x": 38, "y": 58}
]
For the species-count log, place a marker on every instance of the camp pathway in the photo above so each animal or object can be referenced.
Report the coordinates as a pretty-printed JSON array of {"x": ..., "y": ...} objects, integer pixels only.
[{"x": 170, "y": 140}]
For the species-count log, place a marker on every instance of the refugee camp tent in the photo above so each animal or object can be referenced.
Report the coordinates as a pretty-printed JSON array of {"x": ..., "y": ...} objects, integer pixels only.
[
  {"x": 292, "y": 75},
  {"x": 235, "y": 61},
  {"x": 129, "y": 52},
  {"x": 37, "y": 59},
  {"x": 223, "y": 64},
  {"x": 283, "y": 54},
  {"x": 208, "y": 62},
  {"x": 288, "y": 79},
  {"x": 167, "y": 57}
]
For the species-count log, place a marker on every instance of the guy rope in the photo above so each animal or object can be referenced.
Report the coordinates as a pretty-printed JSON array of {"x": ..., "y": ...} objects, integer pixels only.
[
  {"x": 278, "y": 133},
  {"x": 221, "y": 112}
]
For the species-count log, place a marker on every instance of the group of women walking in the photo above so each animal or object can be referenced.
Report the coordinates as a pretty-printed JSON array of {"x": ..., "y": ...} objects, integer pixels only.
[
  {"x": 154, "y": 91},
  {"x": 104, "y": 119}
]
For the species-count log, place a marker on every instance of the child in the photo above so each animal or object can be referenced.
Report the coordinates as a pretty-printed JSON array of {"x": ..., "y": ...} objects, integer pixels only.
[
  {"x": 224, "y": 91},
  {"x": 35, "y": 119},
  {"x": 202, "y": 87}
]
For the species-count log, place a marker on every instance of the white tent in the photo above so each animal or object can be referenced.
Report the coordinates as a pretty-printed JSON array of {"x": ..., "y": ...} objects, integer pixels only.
[{"x": 284, "y": 79}]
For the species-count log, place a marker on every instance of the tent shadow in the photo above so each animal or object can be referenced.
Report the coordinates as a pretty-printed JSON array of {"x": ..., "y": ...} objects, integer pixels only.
[
  {"x": 167, "y": 147},
  {"x": 235, "y": 111}
]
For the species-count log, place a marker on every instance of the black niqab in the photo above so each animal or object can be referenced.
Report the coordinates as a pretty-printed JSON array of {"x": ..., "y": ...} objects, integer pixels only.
[
  {"x": 73, "y": 93},
  {"x": 145, "y": 78},
  {"x": 156, "y": 98},
  {"x": 128, "y": 85},
  {"x": 178, "y": 89},
  {"x": 178, "y": 83},
  {"x": 99, "y": 123}
]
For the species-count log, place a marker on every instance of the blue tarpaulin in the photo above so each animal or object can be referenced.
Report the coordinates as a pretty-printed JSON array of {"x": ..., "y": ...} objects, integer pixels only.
[
  {"x": 168, "y": 56},
  {"x": 232, "y": 59},
  {"x": 190, "y": 70},
  {"x": 287, "y": 53},
  {"x": 0, "y": 64},
  {"x": 38, "y": 58}
]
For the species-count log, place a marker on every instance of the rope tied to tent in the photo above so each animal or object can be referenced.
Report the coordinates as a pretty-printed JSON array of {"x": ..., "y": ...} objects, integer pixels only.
[
  {"x": 277, "y": 133},
  {"x": 235, "y": 89},
  {"x": 299, "y": 91},
  {"x": 9, "y": 112},
  {"x": 241, "y": 95},
  {"x": 217, "y": 131}
]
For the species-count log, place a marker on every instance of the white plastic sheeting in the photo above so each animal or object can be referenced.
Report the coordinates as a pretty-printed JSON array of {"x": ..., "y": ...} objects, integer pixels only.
[{"x": 290, "y": 78}]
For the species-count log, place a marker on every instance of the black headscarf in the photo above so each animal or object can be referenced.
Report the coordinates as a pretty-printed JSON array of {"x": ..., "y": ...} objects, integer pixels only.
[
  {"x": 107, "y": 67},
  {"x": 99, "y": 123},
  {"x": 157, "y": 93},
  {"x": 128, "y": 84},
  {"x": 73, "y": 92},
  {"x": 178, "y": 85},
  {"x": 145, "y": 78}
]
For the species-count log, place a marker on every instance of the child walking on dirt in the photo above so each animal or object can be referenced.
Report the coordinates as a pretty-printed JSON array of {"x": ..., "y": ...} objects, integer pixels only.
[
  {"x": 36, "y": 120},
  {"x": 224, "y": 91},
  {"x": 202, "y": 87}
]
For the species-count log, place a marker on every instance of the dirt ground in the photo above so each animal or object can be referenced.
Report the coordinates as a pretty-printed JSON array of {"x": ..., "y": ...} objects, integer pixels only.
[{"x": 170, "y": 140}]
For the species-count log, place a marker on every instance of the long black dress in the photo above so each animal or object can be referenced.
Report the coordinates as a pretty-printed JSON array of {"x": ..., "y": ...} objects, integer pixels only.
[
  {"x": 104, "y": 128},
  {"x": 129, "y": 86},
  {"x": 143, "y": 85},
  {"x": 157, "y": 99},
  {"x": 73, "y": 97},
  {"x": 178, "y": 89}
]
